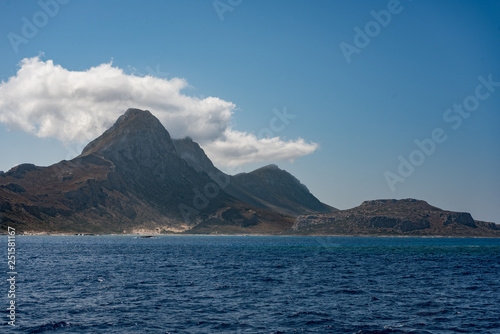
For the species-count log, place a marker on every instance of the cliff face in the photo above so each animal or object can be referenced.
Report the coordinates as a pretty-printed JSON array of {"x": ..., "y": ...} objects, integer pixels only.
[{"x": 394, "y": 217}]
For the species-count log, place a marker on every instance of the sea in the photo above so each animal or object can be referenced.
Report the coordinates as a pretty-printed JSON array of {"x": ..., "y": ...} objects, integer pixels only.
[{"x": 253, "y": 284}]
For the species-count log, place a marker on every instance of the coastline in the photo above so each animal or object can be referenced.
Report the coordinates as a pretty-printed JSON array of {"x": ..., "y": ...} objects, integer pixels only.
[{"x": 247, "y": 235}]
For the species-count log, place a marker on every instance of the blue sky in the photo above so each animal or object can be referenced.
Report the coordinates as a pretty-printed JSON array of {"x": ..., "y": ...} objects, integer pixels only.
[{"x": 356, "y": 117}]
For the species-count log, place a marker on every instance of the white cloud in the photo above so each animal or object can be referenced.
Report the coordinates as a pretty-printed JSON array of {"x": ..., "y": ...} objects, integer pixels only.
[
  {"x": 77, "y": 106},
  {"x": 239, "y": 148}
]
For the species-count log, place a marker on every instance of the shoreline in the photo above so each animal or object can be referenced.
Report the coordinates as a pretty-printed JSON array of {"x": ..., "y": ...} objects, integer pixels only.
[{"x": 246, "y": 235}]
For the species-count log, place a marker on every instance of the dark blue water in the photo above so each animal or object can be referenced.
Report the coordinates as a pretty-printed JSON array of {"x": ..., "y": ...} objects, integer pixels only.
[{"x": 216, "y": 284}]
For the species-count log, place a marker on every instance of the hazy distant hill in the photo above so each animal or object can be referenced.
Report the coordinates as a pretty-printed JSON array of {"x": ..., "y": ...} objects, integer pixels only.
[{"x": 394, "y": 217}]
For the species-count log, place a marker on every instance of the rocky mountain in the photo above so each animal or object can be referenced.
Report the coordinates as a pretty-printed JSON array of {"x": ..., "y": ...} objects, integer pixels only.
[
  {"x": 134, "y": 178},
  {"x": 268, "y": 187},
  {"x": 394, "y": 217},
  {"x": 278, "y": 190}
]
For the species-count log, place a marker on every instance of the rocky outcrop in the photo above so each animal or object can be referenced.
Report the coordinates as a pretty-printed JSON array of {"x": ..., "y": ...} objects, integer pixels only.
[
  {"x": 14, "y": 188},
  {"x": 463, "y": 218},
  {"x": 21, "y": 170},
  {"x": 394, "y": 217}
]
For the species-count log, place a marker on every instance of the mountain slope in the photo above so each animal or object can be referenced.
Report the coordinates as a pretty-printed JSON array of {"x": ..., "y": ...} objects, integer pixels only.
[
  {"x": 268, "y": 187},
  {"x": 279, "y": 190},
  {"x": 394, "y": 217}
]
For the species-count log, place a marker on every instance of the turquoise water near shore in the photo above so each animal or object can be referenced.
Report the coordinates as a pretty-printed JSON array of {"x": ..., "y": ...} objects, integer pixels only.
[{"x": 250, "y": 284}]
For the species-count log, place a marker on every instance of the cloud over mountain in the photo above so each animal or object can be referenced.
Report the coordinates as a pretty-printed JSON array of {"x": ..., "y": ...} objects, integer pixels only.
[{"x": 76, "y": 106}]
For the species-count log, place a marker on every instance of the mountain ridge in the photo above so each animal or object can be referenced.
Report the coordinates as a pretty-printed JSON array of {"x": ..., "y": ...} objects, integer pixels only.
[
  {"x": 247, "y": 187},
  {"x": 135, "y": 178},
  {"x": 130, "y": 178}
]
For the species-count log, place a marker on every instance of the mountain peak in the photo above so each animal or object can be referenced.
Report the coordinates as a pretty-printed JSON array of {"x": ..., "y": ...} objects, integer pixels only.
[
  {"x": 136, "y": 130},
  {"x": 272, "y": 173},
  {"x": 136, "y": 111},
  {"x": 135, "y": 115},
  {"x": 271, "y": 167},
  {"x": 277, "y": 188}
]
